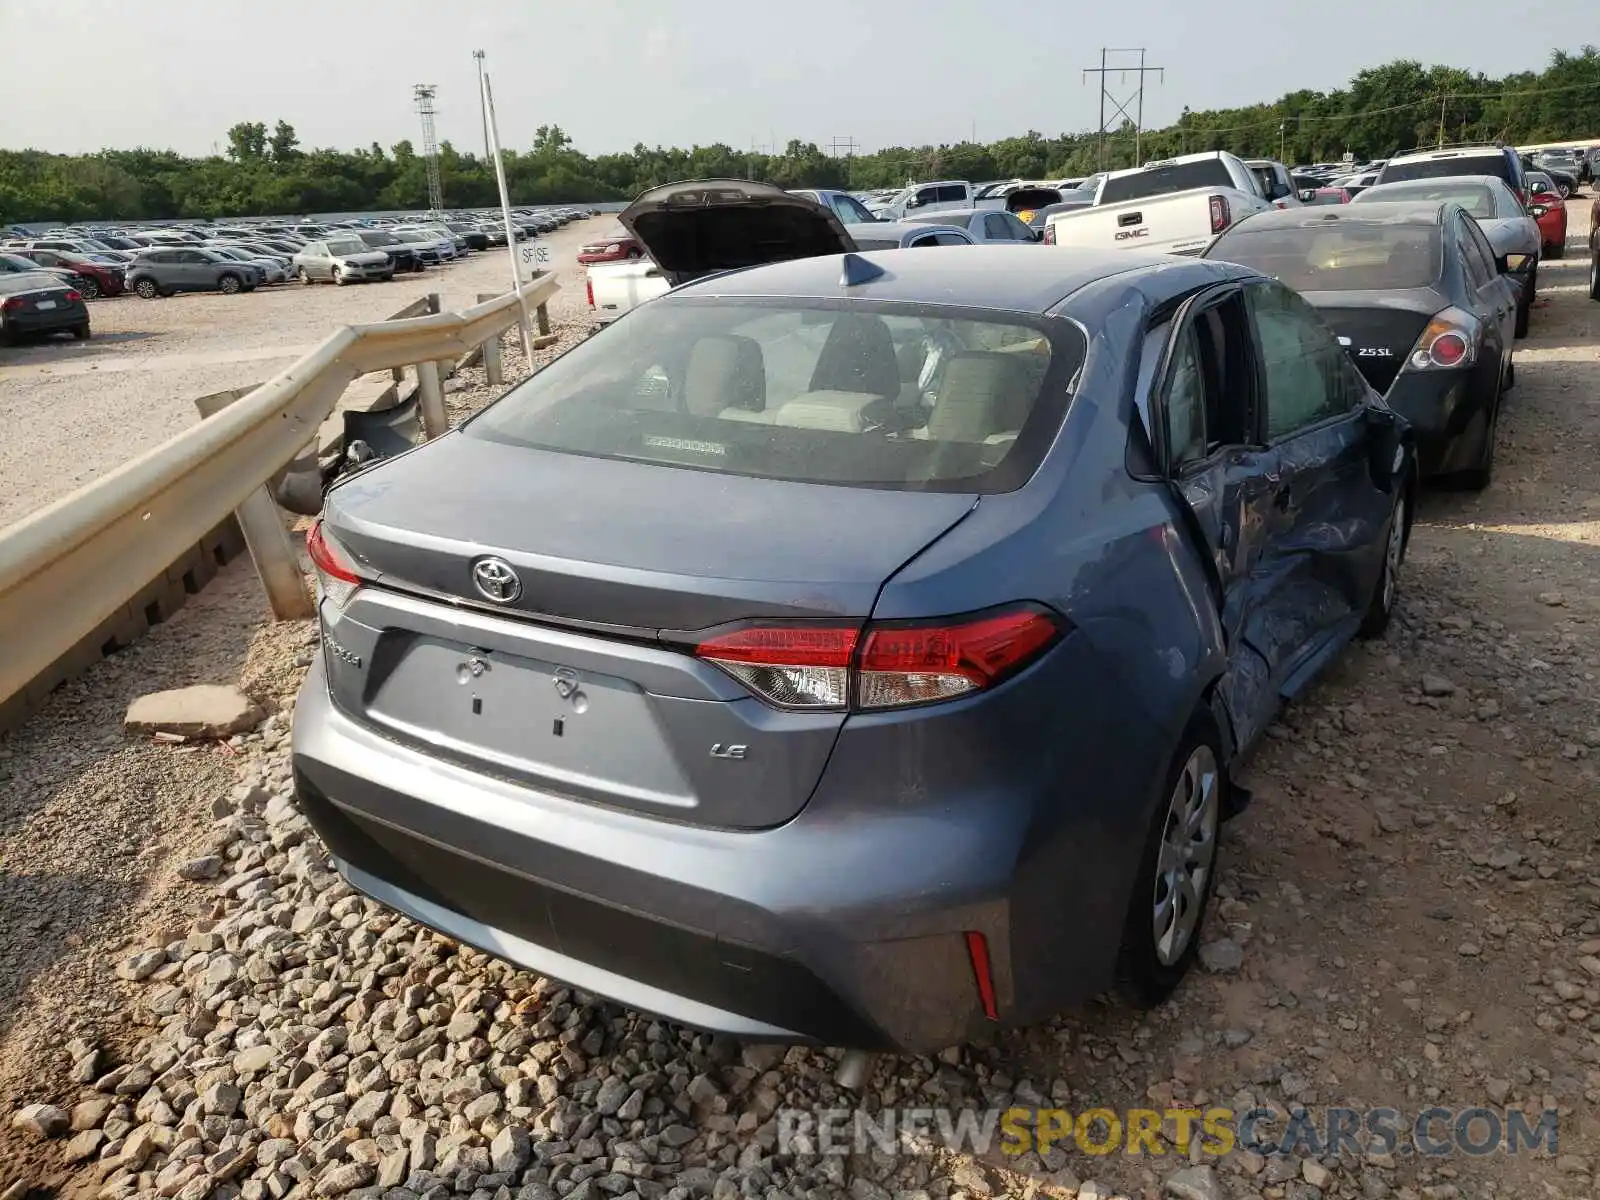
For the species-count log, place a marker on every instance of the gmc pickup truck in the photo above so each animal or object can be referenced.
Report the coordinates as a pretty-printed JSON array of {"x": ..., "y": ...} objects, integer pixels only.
[{"x": 1176, "y": 205}]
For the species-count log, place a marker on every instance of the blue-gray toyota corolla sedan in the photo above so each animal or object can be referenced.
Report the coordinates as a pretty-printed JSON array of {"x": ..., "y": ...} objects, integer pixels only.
[{"x": 855, "y": 648}]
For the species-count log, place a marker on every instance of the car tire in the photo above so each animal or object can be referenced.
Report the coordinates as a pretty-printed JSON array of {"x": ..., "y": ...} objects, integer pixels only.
[
  {"x": 1167, "y": 909},
  {"x": 81, "y": 332},
  {"x": 229, "y": 284},
  {"x": 146, "y": 289},
  {"x": 1564, "y": 190},
  {"x": 1511, "y": 376},
  {"x": 90, "y": 290},
  {"x": 1555, "y": 250},
  {"x": 1594, "y": 274},
  {"x": 305, "y": 279},
  {"x": 338, "y": 277},
  {"x": 1525, "y": 307},
  {"x": 1384, "y": 593}
]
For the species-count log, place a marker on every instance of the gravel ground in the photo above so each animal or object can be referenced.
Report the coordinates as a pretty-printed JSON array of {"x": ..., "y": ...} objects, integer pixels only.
[
  {"x": 134, "y": 385},
  {"x": 1408, "y": 915}
]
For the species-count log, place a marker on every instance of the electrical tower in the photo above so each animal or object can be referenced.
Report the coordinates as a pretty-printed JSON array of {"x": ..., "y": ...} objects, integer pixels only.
[
  {"x": 424, "y": 93},
  {"x": 843, "y": 147},
  {"x": 1136, "y": 99}
]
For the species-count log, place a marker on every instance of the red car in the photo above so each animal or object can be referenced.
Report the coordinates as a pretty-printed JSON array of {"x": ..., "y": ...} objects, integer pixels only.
[
  {"x": 99, "y": 278},
  {"x": 1546, "y": 206},
  {"x": 619, "y": 246}
]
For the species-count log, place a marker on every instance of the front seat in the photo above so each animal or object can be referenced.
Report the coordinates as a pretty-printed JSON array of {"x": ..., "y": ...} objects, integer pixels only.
[
  {"x": 725, "y": 372},
  {"x": 858, "y": 356}
]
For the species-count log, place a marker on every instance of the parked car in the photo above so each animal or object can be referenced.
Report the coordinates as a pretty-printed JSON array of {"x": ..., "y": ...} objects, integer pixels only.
[
  {"x": 170, "y": 269},
  {"x": 1413, "y": 292},
  {"x": 474, "y": 237},
  {"x": 98, "y": 278},
  {"x": 1353, "y": 185},
  {"x": 947, "y": 785},
  {"x": 1272, "y": 178},
  {"x": 1549, "y": 210},
  {"x": 405, "y": 257},
  {"x": 444, "y": 244},
  {"x": 617, "y": 246},
  {"x": 1594, "y": 249},
  {"x": 1177, "y": 205},
  {"x": 926, "y": 198},
  {"x": 1326, "y": 195},
  {"x": 1039, "y": 222},
  {"x": 15, "y": 264},
  {"x": 273, "y": 270},
  {"x": 33, "y": 303},
  {"x": 426, "y": 247},
  {"x": 846, "y": 207},
  {"x": 983, "y": 225},
  {"x": 1504, "y": 220},
  {"x": 342, "y": 259},
  {"x": 1561, "y": 165},
  {"x": 1502, "y": 162}
]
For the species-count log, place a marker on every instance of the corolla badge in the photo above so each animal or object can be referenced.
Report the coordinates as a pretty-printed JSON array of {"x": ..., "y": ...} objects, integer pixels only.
[{"x": 495, "y": 580}]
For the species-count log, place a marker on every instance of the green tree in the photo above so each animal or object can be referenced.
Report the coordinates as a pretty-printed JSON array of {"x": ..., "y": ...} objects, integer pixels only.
[{"x": 285, "y": 145}]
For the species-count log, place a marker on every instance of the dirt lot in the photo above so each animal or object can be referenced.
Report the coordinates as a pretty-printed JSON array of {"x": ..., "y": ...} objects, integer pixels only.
[
  {"x": 134, "y": 384},
  {"x": 1408, "y": 917}
]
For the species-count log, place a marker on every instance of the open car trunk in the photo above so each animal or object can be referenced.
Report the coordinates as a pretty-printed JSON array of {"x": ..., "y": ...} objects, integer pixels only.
[
  {"x": 701, "y": 226},
  {"x": 1024, "y": 202}
]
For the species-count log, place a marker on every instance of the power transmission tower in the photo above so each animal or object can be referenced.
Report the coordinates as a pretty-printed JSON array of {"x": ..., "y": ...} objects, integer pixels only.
[
  {"x": 424, "y": 93},
  {"x": 1135, "y": 99},
  {"x": 843, "y": 147}
]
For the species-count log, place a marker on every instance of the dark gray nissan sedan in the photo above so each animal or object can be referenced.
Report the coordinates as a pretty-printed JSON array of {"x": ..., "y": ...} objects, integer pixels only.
[{"x": 853, "y": 649}]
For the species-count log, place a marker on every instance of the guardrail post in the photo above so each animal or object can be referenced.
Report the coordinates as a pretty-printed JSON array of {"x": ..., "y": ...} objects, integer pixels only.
[
  {"x": 493, "y": 367},
  {"x": 541, "y": 313},
  {"x": 273, "y": 553},
  {"x": 431, "y": 390}
]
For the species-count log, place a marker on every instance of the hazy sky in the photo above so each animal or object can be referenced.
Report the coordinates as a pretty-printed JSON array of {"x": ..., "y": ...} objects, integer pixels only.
[{"x": 78, "y": 75}]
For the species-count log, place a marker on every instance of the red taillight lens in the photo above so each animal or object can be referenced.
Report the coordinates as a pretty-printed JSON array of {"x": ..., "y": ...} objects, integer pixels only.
[
  {"x": 11, "y": 304},
  {"x": 1219, "y": 213},
  {"x": 588, "y": 287},
  {"x": 1050, "y": 235},
  {"x": 336, "y": 574},
  {"x": 1450, "y": 340},
  {"x": 893, "y": 665},
  {"x": 74, "y": 296},
  {"x": 983, "y": 975},
  {"x": 1448, "y": 350}
]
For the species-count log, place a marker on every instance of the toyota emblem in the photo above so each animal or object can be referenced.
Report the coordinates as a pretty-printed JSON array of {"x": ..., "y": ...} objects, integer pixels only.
[{"x": 495, "y": 580}]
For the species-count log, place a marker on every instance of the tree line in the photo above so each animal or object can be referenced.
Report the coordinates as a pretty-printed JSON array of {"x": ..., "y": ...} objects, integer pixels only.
[{"x": 266, "y": 171}]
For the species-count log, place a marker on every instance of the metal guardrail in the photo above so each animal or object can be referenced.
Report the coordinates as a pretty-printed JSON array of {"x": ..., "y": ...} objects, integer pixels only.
[{"x": 70, "y": 566}]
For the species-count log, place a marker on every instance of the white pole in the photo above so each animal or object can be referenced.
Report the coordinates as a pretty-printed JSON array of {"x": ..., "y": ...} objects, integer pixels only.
[{"x": 505, "y": 210}]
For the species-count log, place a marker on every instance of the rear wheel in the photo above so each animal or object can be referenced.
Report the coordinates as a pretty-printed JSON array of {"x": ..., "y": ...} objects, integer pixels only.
[
  {"x": 1525, "y": 305},
  {"x": 304, "y": 278},
  {"x": 89, "y": 289},
  {"x": 1381, "y": 606},
  {"x": 229, "y": 284},
  {"x": 146, "y": 289},
  {"x": 1594, "y": 274},
  {"x": 1555, "y": 250},
  {"x": 81, "y": 332},
  {"x": 1161, "y": 934},
  {"x": 338, "y": 277}
]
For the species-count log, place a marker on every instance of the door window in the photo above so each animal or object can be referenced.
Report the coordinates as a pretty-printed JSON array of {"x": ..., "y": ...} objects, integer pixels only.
[
  {"x": 1210, "y": 393},
  {"x": 995, "y": 228},
  {"x": 951, "y": 238},
  {"x": 953, "y": 193},
  {"x": 1480, "y": 255},
  {"x": 851, "y": 211},
  {"x": 1303, "y": 367}
]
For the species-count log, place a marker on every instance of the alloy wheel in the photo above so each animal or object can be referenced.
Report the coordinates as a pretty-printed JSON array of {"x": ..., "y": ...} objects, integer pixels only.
[
  {"x": 90, "y": 290},
  {"x": 1188, "y": 855}
]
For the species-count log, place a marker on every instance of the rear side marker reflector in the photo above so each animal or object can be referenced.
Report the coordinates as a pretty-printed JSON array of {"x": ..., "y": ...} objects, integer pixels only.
[
  {"x": 978, "y": 951},
  {"x": 893, "y": 664}
]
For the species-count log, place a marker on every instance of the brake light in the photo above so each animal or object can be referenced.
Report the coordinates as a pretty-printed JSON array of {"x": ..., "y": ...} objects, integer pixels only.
[
  {"x": 892, "y": 664},
  {"x": 1219, "y": 213},
  {"x": 73, "y": 297},
  {"x": 1050, "y": 235},
  {"x": 337, "y": 579},
  {"x": 11, "y": 304},
  {"x": 588, "y": 287},
  {"x": 1450, "y": 340}
]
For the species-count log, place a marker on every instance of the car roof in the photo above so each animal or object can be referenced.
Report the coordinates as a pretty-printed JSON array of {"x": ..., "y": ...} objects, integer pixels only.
[
  {"x": 1452, "y": 152},
  {"x": 1018, "y": 277},
  {"x": 1374, "y": 212}
]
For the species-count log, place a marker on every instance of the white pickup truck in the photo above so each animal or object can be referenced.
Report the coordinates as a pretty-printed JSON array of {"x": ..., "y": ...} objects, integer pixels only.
[
  {"x": 614, "y": 288},
  {"x": 1176, "y": 205}
]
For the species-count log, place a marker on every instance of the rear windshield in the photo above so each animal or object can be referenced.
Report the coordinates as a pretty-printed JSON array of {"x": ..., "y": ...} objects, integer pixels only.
[
  {"x": 896, "y": 396},
  {"x": 1159, "y": 181},
  {"x": 346, "y": 245},
  {"x": 1475, "y": 198},
  {"x": 1439, "y": 168},
  {"x": 1346, "y": 257}
]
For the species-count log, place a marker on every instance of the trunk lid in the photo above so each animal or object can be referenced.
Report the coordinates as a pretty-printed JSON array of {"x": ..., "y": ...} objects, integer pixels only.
[
  {"x": 579, "y": 683},
  {"x": 701, "y": 226},
  {"x": 1378, "y": 329}
]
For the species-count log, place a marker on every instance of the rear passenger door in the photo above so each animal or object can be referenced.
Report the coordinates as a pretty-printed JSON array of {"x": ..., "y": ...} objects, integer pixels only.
[
  {"x": 1494, "y": 296},
  {"x": 1205, "y": 408},
  {"x": 1326, "y": 522}
]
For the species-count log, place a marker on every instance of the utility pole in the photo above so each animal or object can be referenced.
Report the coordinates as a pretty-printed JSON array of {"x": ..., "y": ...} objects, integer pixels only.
[
  {"x": 1282, "y": 129},
  {"x": 1121, "y": 104},
  {"x": 478, "y": 55},
  {"x": 424, "y": 93},
  {"x": 1443, "y": 100}
]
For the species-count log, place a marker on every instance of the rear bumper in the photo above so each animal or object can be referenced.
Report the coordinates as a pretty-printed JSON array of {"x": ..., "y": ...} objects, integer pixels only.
[
  {"x": 54, "y": 321},
  {"x": 1442, "y": 409},
  {"x": 846, "y": 926}
]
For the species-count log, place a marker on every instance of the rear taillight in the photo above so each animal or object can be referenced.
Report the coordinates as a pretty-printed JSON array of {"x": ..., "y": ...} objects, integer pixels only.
[
  {"x": 1050, "y": 235},
  {"x": 588, "y": 287},
  {"x": 11, "y": 304},
  {"x": 74, "y": 297},
  {"x": 1449, "y": 341},
  {"x": 891, "y": 664},
  {"x": 337, "y": 579},
  {"x": 1219, "y": 213}
]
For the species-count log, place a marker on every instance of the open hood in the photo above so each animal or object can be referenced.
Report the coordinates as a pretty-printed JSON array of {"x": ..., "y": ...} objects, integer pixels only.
[{"x": 701, "y": 226}]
